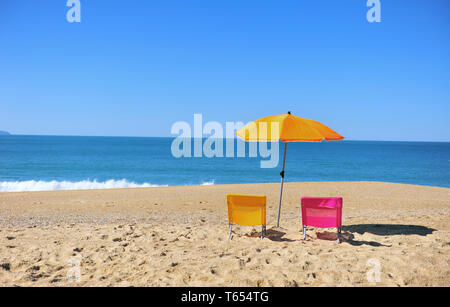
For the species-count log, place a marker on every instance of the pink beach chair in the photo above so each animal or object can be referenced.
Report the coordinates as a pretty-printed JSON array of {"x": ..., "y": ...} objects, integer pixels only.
[{"x": 322, "y": 212}]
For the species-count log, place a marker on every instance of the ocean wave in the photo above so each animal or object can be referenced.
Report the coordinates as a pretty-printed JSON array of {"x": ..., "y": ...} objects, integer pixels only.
[
  {"x": 33, "y": 185},
  {"x": 208, "y": 182}
]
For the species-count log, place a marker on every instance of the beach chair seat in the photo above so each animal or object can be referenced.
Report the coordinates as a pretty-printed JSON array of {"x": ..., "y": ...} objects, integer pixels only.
[
  {"x": 322, "y": 212},
  {"x": 246, "y": 210}
]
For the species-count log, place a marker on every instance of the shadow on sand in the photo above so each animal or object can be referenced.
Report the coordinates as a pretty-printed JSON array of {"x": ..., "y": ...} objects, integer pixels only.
[
  {"x": 348, "y": 236},
  {"x": 381, "y": 230},
  {"x": 271, "y": 234},
  {"x": 389, "y": 229}
]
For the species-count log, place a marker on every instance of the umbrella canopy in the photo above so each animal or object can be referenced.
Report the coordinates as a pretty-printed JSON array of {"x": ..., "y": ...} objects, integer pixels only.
[
  {"x": 288, "y": 128},
  {"x": 291, "y": 128}
]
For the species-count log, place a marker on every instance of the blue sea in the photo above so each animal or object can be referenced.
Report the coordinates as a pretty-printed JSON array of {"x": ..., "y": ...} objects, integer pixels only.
[{"x": 34, "y": 163}]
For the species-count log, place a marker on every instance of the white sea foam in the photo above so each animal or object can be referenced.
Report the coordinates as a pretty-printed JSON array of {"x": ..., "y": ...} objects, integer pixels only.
[
  {"x": 208, "y": 182},
  {"x": 33, "y": 185}
]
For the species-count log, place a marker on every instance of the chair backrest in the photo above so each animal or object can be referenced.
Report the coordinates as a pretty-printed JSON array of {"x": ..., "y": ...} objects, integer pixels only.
[
  {"x": 247, "y": 210},
  {"x": 322, "y": 212}
]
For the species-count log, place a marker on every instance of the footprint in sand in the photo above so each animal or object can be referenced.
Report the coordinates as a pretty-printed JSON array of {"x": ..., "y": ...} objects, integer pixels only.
[{"x": 6, "y": 266}]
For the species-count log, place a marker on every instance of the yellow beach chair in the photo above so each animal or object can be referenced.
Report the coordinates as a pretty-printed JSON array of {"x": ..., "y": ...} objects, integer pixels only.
[{"x": 247, "y": 210}]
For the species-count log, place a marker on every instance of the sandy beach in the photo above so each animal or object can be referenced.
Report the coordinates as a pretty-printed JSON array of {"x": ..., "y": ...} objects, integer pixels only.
[{"x": 178, "y": 236}]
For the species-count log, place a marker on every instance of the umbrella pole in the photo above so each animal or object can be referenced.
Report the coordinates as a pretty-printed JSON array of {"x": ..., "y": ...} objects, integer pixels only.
[{"x": 281, "y": 187}]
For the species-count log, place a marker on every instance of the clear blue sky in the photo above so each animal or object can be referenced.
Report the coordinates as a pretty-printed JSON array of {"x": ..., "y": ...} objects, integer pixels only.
[{"x": 132, "y": 68}]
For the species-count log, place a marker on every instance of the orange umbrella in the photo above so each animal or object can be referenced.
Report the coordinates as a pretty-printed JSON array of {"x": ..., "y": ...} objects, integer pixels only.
[{"x": 286, "y": 128}]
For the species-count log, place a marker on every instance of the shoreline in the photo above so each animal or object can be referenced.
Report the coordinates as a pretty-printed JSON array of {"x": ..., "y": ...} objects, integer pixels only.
[
  {"x": 153, "y": 186},
  {"x": 178, "y": 236}
]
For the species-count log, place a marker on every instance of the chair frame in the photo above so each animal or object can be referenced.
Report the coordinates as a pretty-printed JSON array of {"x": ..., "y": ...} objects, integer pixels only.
[
  {"x": 338, "y": 233},
  {"x": 263, "y": 231},
  {"x": 230, "y": 224},
  {"x": 339, "y": 229}
]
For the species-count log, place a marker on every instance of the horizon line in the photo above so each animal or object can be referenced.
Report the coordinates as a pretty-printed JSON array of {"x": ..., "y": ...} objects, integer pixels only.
[{"x": 131, "y": 136}]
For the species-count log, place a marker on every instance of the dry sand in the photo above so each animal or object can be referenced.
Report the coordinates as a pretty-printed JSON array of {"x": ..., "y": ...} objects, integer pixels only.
[{"x": 178, "y": 236}]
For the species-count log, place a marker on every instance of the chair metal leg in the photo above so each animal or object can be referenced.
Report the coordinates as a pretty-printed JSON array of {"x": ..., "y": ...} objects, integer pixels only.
[
  {"x": 339, "y": 235},
  {"x": 229, "y": 232},
  {"x": 304, "y": 232},
  {"x": 263, "y": 231}
]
